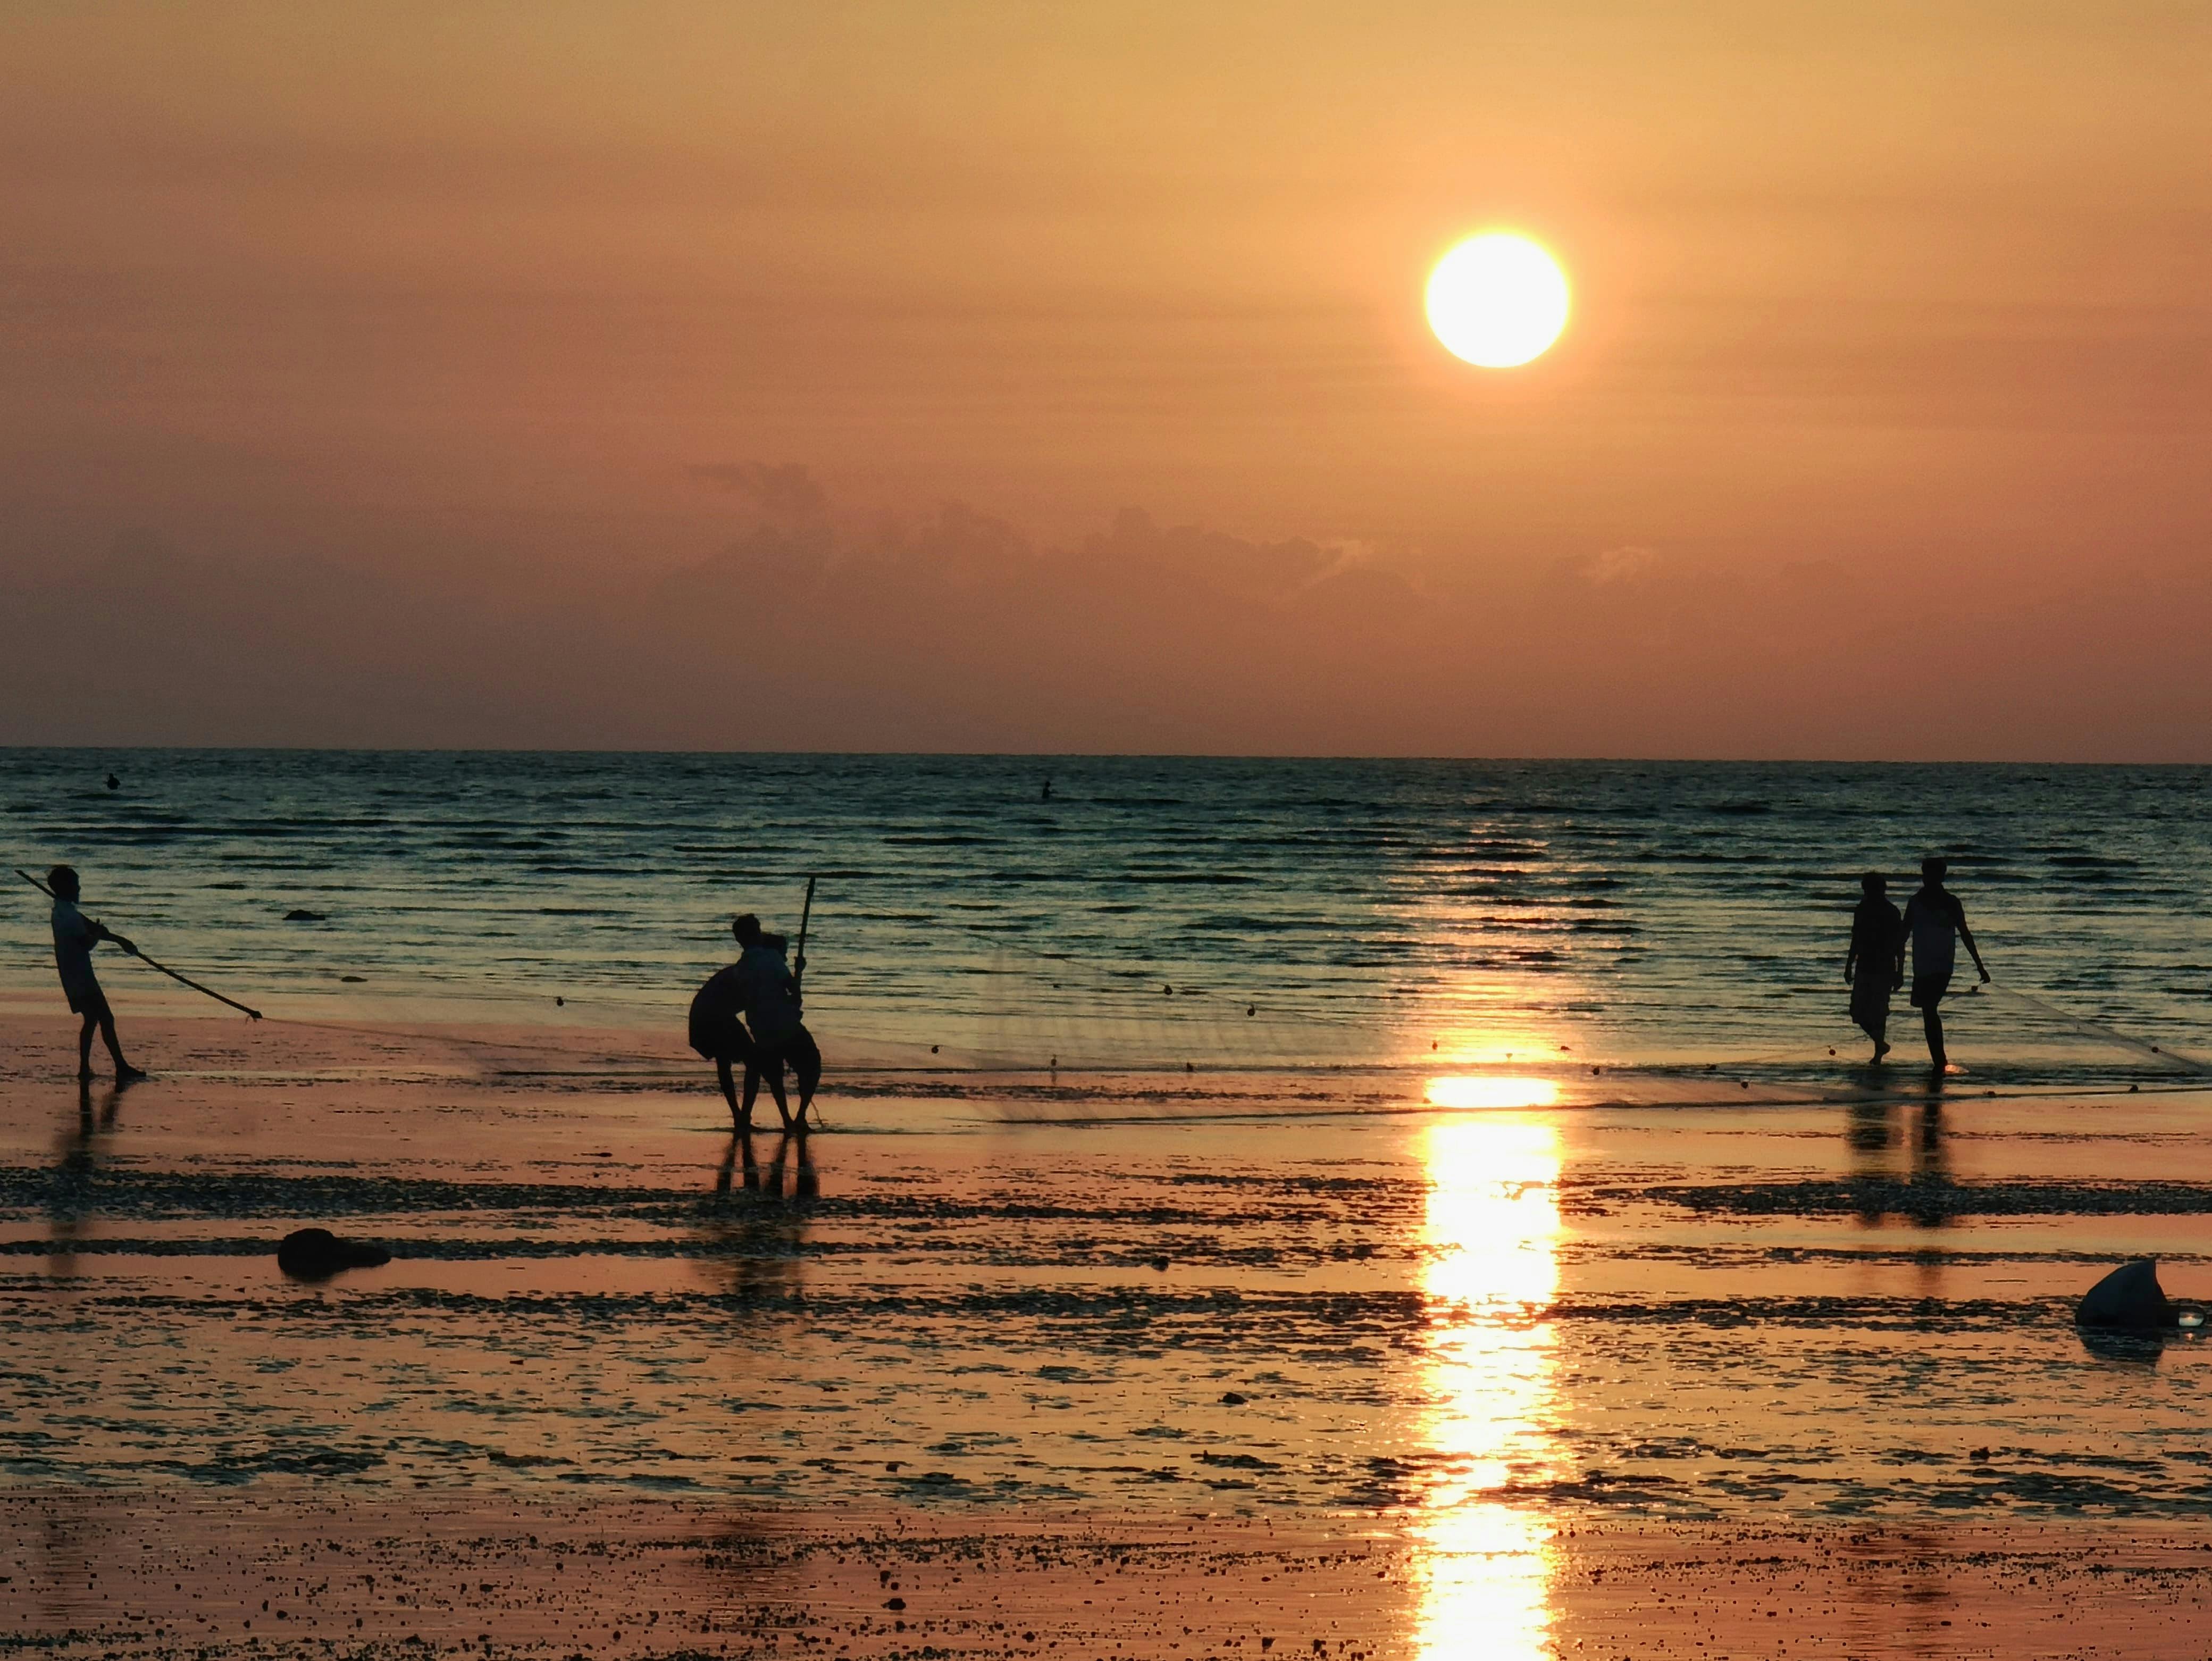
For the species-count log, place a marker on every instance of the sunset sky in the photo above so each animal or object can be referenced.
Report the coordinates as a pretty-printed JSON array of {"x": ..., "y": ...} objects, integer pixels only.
[{"x": 1056, "y": 378}]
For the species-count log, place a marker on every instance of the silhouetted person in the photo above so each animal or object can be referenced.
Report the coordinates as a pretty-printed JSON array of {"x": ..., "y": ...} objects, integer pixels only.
[
  {"x": 114, "y": 783},
  {"x": 75, "y": 935},
  {"x": 1874, "y": 967},
  {"x": 1936, "y": 921},
  {"x": 1048, "y": 790},
  {"x": 771, "y": 988},
  {"x": 721, "y": 1038}
]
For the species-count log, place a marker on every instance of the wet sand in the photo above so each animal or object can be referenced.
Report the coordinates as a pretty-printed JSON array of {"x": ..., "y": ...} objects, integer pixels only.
[
  {"x": 316, "y": 1574},
  {"x": 1658, "y": 1377}
]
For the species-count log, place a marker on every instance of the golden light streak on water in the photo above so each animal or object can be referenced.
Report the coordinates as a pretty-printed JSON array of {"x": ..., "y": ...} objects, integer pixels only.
[
  {"x": 1491, "y": 1233},
  {"x": 1478, "y": 1092}
]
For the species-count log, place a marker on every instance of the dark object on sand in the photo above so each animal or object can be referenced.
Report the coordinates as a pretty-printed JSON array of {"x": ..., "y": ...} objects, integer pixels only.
[
  {"x": 316, "y": 1253},
  {"x": 1231, "y": 1399},
  {"x": 2130, "y": 1299},
  {"x": 304, "y": 915}
]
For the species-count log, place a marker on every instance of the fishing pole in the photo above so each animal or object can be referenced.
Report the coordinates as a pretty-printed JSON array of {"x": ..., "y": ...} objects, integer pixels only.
[
  {"x": 806, "y": 914},
  {"x": 186, "y": 979}
]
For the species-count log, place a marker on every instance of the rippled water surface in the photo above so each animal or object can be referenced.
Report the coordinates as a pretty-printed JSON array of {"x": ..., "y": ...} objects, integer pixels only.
[
  {"x": 1464, "y": 1142},
  {"x": 1154, "y": 911}
]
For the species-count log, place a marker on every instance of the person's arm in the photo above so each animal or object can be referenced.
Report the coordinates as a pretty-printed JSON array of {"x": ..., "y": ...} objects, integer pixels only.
[
  {"x": 1852, "y": 957},
  {"x": 100, "y": 932},
  {"x": 1973, "y": 950}
]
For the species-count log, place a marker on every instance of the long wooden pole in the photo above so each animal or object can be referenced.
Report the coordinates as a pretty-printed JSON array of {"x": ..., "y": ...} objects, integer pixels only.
[
  {"x": 805, "y": 915},
  {"x": 186, "y": 979}
]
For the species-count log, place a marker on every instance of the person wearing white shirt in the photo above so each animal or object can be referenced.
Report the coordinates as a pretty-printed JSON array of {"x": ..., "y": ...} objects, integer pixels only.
[{"x": 74, "y": 936}]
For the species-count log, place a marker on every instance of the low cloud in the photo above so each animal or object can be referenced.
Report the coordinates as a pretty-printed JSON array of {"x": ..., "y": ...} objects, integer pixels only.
[
  {"x": 954, "y": 629},
  {"x": 789, "y": 492},
  {"x": 1630, "y": 563}
]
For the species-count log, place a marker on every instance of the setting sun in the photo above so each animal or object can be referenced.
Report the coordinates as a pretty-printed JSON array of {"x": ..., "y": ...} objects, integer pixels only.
[{"x": 1497, "y": 300}]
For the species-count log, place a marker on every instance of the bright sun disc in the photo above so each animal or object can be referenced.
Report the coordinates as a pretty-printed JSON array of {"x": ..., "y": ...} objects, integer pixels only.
[{"x": 1497, "y": 300}]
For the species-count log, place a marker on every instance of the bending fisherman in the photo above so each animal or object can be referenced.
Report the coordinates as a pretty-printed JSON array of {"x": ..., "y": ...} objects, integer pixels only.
[
  {"x": 721, "y": 1038},
  {"x": 74, "y": 936}
]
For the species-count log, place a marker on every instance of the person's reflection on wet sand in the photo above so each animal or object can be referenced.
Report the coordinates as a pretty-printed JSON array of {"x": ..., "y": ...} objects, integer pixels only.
[
  {"x": 1870, "y": 1135},
  {"x": 806, "y": 1181},
  {"x": 1876, "y": 1128},
  {"x": 1929, "y": 1157},
  {"x": 756, "y": 1235},
  {"x": 1931, "y": 1169},
  {"x": 727, "y": 1169},
  {"x": 769, "y": 1180},
  {"x": 1869, "y": 1130},
  {"x": 70, "y": 1203}
]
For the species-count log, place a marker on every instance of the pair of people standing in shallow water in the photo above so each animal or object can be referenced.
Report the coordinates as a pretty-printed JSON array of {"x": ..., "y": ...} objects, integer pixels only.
[
  {"x": 747, "y": 1015},
  {"x": 1932, "y": 924}
]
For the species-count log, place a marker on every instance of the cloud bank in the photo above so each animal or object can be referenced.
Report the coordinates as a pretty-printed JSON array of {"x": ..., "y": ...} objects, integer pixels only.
[{"x": 951, "y": 630}]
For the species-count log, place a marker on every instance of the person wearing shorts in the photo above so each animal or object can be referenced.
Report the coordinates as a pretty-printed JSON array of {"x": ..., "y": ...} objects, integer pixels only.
[
  {"x": 720, "y": 1037},
  {"x": 1874, "y": 967},
  {"x": 1935, "y": 922},
  {"x": 74, "y": 936}
]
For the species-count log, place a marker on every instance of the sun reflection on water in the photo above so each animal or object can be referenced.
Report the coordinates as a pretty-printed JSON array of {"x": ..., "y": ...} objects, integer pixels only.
[
  {"x": 1490, "y": 1232},
  {"x": 1466, "y": 1092}
]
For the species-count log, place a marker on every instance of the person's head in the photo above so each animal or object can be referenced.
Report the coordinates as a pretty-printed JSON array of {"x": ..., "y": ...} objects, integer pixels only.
[
  {"x": 1874, "y": 885},
  {"x": 746, "y": 927},
  {"x": 1934, "y": 870},
  {"x": 63, "y": 880}
]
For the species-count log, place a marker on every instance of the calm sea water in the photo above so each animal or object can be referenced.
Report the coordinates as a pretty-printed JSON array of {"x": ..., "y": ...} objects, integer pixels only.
[
  {"x": 1154, "y": 911},
  {"x": 996, "y": 1290}
]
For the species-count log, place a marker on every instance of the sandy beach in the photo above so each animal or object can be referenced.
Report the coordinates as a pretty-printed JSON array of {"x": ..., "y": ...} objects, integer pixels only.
[
  {"x": 1729, "y": 1377},
  {"x": 306, "y": 1574}
]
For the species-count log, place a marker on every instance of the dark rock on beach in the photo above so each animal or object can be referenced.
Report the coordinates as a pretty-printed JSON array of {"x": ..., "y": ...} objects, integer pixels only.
[
  {"x": 2129, "y": 1298},
  {"x": 302, "y": 915},
  {"x": 316, "y": 1253}
]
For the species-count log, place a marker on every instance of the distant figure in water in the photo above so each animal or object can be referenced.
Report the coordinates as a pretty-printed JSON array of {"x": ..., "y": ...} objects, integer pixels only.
[
  {"x": 721, "y": 1038},
  {"x": 1936, "y": 921},
  {"x": 75, "y": 935},
  {"x": 1048, "y": 790},
  {"x": 771, "y": 988},
  {"x": 114, "y": 783},
  {"x": 1874, "y": 966}
]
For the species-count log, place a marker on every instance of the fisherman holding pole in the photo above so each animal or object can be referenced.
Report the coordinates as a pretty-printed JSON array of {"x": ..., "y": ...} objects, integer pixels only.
[
  {"x": 773, "y": 1007},
  {"x": 74, "y": 936},
  {"x": 762, "y": 989}
]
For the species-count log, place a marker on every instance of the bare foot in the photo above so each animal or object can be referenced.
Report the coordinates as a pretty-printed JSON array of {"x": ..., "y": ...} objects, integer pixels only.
[{"x": 128, "y": 1074}]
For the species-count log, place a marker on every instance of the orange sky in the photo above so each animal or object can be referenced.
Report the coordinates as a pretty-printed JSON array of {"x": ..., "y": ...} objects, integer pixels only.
[{"x": 1879, "y": 428}]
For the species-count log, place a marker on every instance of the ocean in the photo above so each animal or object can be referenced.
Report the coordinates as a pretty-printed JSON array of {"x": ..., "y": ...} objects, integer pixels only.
[
  {"x": 1482, "y": 1147},
  {"x": 1155, "y": 912}
]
